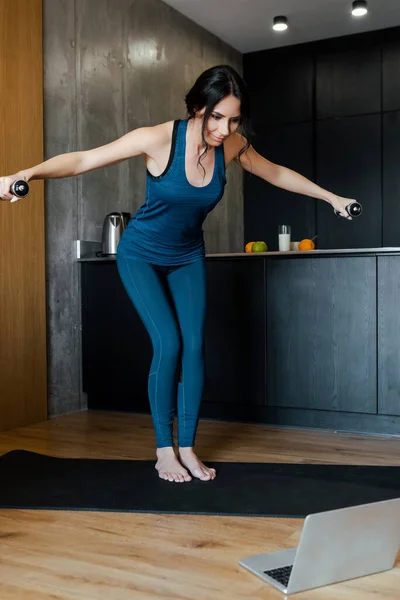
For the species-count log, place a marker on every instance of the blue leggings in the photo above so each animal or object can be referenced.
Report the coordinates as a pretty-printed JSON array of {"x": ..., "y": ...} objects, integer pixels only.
[{"x": 171, "y": 302}]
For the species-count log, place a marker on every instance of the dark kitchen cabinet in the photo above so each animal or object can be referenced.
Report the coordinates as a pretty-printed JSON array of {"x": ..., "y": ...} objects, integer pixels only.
[
  {"x": 307, "y": 340},
  {"x": 267, "y": 206},
  {"x": 281, "y": 90},
  {"x": 389, "y": 335},
  {"x": 349, "y": 165},
  {"x": 391, "y": 75},
  {"x": 391, "y": 179},
  {"x": 322, "y": 333},
  {"x": 116, "y": 349},
  {"x": 235, "y": 351},
  {"x": 348, "y": 82}
]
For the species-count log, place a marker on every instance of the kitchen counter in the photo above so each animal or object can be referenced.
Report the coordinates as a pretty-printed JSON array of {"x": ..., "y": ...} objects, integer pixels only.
[
  {"x": 288, "y": 340},
  {"x": 309, "y": 253}
]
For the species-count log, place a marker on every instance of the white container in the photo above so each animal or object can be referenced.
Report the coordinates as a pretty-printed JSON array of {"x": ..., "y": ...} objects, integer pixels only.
[{"x": 284, "y": 238}]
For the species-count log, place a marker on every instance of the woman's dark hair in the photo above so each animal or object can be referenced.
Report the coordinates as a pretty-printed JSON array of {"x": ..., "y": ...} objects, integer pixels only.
[{"x": 210, "y": 88}]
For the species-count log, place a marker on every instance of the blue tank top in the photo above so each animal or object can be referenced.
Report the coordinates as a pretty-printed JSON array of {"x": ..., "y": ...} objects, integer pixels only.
[{"x": 167, "y": 229}]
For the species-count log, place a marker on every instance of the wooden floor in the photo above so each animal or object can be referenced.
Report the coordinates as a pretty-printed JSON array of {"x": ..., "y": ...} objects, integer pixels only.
[{"x": 49, "y": 555}]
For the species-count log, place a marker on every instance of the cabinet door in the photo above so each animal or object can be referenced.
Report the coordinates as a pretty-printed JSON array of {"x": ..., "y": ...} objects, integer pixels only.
[
  {"x": 235, "y": 332},
  {"x": 116, "y": 348},
  {"x": 389, "y": 335},
  {"x": 267, "y": 206},
  {"x": 321, "y": 328},
  {"x": 349, "y": 164},
  {"x": 391, "y": 179},
  {"x": 348, "y": 82},
  {"x": 280, "y": 85},
  {"x": 391, "y": 76}
]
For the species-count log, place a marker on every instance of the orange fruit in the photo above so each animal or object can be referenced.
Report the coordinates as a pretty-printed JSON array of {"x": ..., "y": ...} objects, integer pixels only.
[
  {"x": 248, "y": 246},
  {"x": 306, "y": 244}
]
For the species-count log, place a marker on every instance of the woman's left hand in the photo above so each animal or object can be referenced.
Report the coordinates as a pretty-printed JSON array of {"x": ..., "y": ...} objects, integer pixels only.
[{"x": 339, "y": 203}]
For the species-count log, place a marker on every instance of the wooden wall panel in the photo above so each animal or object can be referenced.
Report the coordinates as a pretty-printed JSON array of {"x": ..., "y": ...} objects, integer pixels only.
[{"x": 23, "y": 377}]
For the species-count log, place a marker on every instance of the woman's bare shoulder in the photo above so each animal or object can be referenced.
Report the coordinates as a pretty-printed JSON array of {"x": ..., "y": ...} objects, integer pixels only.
[
  {"x": 232, "y": 147},
  {"x": 161, "y": 133}
]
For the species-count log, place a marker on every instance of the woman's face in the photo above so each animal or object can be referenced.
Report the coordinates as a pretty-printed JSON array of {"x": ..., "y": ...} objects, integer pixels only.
[{"x": 223, "y": 121}]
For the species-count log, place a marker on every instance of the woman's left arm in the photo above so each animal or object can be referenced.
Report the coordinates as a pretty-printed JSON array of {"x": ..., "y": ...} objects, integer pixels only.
[{"x": 287, "y": 179}]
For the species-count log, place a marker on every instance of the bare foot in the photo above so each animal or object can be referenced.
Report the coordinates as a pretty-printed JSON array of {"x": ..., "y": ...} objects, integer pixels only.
[
  {"x": 189, "y": 460},
  {"x": 169, "y": 467}
]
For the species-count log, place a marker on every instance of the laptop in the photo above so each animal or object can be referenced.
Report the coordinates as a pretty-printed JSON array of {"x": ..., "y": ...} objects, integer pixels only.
[{"x": 334, "y": 546}]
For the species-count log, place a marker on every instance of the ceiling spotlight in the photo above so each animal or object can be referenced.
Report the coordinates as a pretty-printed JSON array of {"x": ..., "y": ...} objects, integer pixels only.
[
  {"x": 359, "y": 8},
  {"x": 280, "y": 23}
]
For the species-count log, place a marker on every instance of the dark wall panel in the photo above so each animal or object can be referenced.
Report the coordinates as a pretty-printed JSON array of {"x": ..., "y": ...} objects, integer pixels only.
[
  {"x": 348, "y": 154},
  {"x": 391, "y": 76},
  {"x": 348, "y": 83},
  {"x": 352, "y": 78},
  {"x": 281, "y": 90},
  {"x": 267, "y": 206},
  {"x": 391, "y": 179}
]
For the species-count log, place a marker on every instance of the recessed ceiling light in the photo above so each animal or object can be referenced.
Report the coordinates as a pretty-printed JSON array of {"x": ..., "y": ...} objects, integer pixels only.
[
  {"x": 359, "y": 8},
  {"x": 280, "y": 23}
]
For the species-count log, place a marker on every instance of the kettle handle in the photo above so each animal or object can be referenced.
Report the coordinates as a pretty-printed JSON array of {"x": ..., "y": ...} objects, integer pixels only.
[{"x": 115, "y": 219}]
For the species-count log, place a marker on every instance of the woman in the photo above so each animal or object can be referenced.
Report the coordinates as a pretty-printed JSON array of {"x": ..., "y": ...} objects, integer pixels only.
[{"x": 161, "y": 254}]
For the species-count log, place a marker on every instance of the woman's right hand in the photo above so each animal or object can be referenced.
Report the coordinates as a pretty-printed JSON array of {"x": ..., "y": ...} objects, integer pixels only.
[{"x": 5, "y": 184}]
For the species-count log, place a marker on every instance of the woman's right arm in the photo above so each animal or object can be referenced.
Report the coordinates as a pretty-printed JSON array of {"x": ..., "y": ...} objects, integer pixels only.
[{"x": 138, "y": 141}]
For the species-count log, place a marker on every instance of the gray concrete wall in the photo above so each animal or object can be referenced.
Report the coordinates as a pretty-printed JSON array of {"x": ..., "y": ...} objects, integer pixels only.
[{"x": 111, "y": 66}]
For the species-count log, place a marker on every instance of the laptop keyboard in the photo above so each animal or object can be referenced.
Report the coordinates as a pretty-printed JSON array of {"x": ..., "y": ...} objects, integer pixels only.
[{"x": 282, "y": 574}]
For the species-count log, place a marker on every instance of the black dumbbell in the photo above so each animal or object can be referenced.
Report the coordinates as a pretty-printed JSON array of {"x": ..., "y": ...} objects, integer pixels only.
[
  {"x": 354, "y": 209},
  {"x": 19, "y": 189}
]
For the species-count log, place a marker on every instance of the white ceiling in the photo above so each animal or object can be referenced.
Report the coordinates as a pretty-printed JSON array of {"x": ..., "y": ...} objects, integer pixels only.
[{"x": 246, "y": 24}]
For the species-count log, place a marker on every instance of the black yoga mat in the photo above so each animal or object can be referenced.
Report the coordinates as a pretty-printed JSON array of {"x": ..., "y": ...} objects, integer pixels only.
[{"x": 35, "y": 481}]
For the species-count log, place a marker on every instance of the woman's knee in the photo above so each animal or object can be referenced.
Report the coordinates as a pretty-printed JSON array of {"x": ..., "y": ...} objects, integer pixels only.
[
  {"x": 194, "y": 347},
  {"x": 168, "y": 345}
]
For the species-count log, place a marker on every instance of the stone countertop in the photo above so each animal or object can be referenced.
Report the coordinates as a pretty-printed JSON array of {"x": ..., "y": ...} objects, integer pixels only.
[{"x": 250, "y": 255}]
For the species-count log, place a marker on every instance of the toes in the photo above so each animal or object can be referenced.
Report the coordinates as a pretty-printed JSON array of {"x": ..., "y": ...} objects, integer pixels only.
[
  {"x": 200, "y": 474},
  {"x": 209, "y": 474},
  {"x": 174, "y": 477}
]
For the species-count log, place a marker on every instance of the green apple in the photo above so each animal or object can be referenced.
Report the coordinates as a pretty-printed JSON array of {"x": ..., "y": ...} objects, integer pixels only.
[{"x": 259, "y": 247}]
